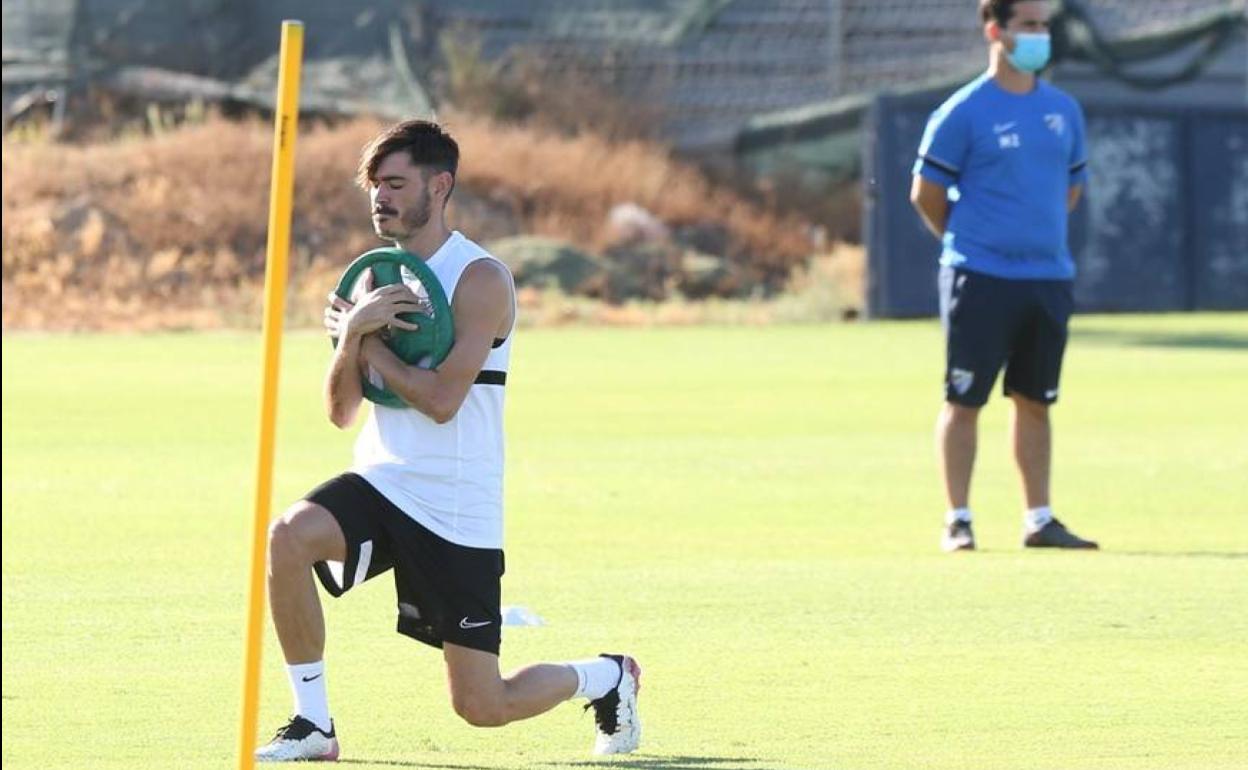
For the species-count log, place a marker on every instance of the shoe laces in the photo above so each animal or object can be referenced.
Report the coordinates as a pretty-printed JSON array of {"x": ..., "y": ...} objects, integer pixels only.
[
  {"x": 605, "y": 708},
  {"x": 294, "y": 729}
]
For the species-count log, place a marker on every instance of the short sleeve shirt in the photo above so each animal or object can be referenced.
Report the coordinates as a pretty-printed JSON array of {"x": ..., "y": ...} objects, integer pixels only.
[{"x": 1009, "y": 161}]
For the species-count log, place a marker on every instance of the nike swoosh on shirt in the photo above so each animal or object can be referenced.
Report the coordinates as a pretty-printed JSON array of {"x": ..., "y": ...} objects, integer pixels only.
[
  {"x": 464, "y": 624},
  {"x": 1000, "y": 127}
]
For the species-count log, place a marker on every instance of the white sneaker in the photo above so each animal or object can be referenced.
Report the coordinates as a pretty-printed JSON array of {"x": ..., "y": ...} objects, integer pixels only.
[
  {"x": 958, "y": 536},
  {"x": 300, "y": 739},
  {"x": 619, "y": 726}
]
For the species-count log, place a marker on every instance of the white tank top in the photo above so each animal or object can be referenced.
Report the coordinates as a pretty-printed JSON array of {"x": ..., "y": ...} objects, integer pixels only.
[{"x": 448, "y": 477}]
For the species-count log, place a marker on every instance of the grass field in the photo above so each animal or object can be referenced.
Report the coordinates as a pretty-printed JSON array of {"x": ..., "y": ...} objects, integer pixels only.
[{"x": 752, "y": 512}]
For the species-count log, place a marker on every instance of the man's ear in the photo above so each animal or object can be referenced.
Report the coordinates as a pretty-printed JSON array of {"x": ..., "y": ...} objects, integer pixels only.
[
  {"x": 992, "y": 31},
  {"x": 444, "y": 182}
]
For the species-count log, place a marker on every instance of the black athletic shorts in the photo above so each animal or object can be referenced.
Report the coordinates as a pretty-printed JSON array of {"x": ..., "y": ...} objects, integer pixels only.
[
  {"x": 992, "y": 322},
  {"x": 446, "y": 592}
]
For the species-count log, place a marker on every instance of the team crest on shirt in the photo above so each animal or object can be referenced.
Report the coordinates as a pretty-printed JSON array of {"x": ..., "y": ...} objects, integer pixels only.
[
  {"x": 1056, "y": 122},
  {"x": 961, "y": 380}
]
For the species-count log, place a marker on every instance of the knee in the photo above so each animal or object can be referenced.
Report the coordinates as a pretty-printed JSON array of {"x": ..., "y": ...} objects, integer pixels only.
[
  {"x": 961, "y": 415},
  {"x": 1026, "y": 407},
  {"x": 479, "y": 711},
  {"x": 286, "y": 547}
]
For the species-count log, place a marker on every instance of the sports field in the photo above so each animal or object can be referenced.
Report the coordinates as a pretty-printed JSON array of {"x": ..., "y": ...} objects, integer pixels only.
[{"x": 752, "y": 512}]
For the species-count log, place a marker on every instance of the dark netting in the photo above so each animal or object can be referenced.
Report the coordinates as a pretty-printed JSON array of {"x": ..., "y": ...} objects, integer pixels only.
[
  {"x": 1118, "y": 38},
  {"x": 1077, "y": 36},
  {"x": 707, "y": 69}
]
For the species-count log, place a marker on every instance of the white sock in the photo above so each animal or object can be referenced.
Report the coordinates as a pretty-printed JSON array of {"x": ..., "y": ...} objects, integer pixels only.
[
  {"x": 307, "y": 680},
  {"x": 958, "y": 514},
  {"x": 1036, "y": 518},
  {"x": 595, "y": 677}
]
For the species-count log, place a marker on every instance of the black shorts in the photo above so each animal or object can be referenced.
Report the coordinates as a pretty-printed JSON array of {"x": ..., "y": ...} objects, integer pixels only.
[
  {"x": 446, "y": 592},
  {"x": 992, "y": 322}
]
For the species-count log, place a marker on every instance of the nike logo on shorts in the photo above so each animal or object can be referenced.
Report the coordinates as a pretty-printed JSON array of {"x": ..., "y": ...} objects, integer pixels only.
[{"x": 466, "y": 625}]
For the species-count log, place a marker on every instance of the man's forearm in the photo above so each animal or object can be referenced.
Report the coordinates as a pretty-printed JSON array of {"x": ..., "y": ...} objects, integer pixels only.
[
  {"x": 343, "y": 389},
  {"x": 416, "y": 386},
  {"x": 935, "y": 217}
]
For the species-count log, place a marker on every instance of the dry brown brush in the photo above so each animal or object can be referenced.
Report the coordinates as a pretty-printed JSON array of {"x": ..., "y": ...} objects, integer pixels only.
[{"x": 168, "y": 231}]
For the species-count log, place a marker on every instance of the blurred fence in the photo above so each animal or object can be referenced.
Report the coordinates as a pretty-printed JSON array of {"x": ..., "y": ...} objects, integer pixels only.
[{"x": 705, "y": 68}]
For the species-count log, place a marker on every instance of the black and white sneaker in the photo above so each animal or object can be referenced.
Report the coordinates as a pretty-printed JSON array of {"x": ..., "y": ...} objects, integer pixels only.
[
  {"x": 958, "y": 537},
  {"x": 300, "y": 740},
  {"x": 1055, "y": 535},
  {"x": 619, "y": 727}
]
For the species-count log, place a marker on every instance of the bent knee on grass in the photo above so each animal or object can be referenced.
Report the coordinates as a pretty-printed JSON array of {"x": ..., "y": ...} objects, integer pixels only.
[
  {"x": 480, "y": 709},
  {"x": 478, "y": 692}
]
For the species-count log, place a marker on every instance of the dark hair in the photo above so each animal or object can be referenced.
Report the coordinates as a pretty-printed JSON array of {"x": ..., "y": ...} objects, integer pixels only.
[
  {"x": 1000, "y": 11},
  {"x": 428, "y": 145}
]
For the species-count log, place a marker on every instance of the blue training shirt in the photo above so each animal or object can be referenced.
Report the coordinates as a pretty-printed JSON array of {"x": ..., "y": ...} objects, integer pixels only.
[{"x": 1009, "y": 161}]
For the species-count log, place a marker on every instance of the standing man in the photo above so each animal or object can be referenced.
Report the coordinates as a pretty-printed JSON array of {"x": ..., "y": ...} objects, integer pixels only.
[
  {"x": 1001, "y": 165},
  {"x": 424, "y": 496}
]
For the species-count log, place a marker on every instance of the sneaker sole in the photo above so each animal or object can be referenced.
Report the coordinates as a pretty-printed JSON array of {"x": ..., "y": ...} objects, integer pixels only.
[
  {"x": 952, "y": 546},
  {"x": 330, "y": 756},
  {"x": 634, "y": 671}
]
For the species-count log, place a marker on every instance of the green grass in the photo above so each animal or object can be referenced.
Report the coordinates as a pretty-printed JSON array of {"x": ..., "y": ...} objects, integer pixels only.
[{"x": 752, "y": 512}]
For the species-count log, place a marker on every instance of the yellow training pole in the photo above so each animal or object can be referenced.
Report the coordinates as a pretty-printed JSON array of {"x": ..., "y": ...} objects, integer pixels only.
[{"x": 285, "y": 123}]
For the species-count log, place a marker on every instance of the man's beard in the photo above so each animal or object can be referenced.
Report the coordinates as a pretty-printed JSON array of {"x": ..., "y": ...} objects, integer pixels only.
[{"x": 411, "y": 220}]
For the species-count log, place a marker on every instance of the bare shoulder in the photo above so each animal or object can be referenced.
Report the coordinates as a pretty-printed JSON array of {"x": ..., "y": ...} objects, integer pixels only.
[
  {"x": 487, "y": 271},
  {"x": 484, "y": 293},
  {"x": 484, "y": 280}
]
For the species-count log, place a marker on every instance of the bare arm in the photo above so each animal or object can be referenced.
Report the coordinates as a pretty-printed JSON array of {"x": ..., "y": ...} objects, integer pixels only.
[
  {"x": 343, "y": 389},
  {"x": 482, "y": 309},
  {"x": 1072, "y": 197},
  {"x": 932, "y": 202}
]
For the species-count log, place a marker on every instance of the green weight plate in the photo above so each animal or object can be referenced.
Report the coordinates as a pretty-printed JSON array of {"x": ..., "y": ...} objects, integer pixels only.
[{"x": 429, "y": 345}]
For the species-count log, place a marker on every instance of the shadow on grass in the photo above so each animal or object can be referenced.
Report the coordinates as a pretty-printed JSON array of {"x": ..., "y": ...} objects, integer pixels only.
[
  {"x": 1185, "y": 554},
  {"x": 1081, "y": 553},
  {"x": 632, "y": 763},
  {"x": 403, "y": 763},
  {"x": 1161, "y": 339},
  {"x": 636, "y": 762}
]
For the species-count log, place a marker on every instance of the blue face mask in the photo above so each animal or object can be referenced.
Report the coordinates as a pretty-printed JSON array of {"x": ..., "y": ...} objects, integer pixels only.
[{"x": 1031, "y": 51}]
